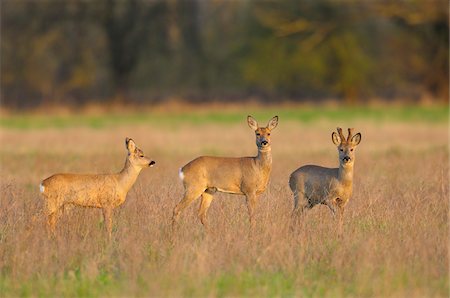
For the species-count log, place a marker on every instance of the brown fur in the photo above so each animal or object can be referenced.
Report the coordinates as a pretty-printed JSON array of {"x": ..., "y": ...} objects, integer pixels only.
[
  {"x": 105, "y": 191},
  {"x": 247, "y": 176},
  {"x": 312, "y": 185}
]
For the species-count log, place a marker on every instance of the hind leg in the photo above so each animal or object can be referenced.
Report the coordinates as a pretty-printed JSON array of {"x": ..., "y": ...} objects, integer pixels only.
[
  {"x": 204, "y": 206},
  {"x": 190, "y": 195},
  {"x": 52, "y": 220},
  {"x": 297, "y": 186},
  {"x": 300, "y": 205},
  {"x": 51, "y": 223},
  {"x": 53, "y": 213},
  {"x": 296, "y": 197}
]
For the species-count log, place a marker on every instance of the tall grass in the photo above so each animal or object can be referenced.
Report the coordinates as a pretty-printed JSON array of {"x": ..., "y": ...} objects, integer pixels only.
[{"x": 396, "y": 224}]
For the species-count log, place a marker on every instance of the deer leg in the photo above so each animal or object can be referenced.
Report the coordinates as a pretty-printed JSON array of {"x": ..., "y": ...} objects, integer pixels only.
[
  {"x": 251, "y": 205},
  {"x": 299, "y": 206},
  {"x": 331, "y": 205},
  {"x": 52, "y": 214},
  {"x": 204, "y": 205},
  {"x": 107, "y": 216},
  {"x": 340, "y": 228},
  {"x": 295, "y": 200},
  {"x": 300, "y": 203},
  {"x": 190, "y": 195},
  {"x": 51, "y": 223},
  {"x": 299, "y": 210}
]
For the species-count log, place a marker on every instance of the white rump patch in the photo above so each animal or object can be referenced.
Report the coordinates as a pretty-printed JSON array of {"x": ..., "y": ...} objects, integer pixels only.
[
  {"x": 181, "y": 174},
  {"x": 41, "y": 188}
]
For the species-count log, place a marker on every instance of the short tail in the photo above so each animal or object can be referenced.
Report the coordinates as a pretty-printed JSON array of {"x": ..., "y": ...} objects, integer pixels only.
[
  {"x": 181, "y": 174},
  {"x": 41, "y": 187}
]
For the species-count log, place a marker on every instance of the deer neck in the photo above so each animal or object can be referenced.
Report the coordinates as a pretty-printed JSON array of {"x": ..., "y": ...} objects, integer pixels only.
[
  {"x": 345, "y": 175},
  {"x": 264, "y": 158},
  {"x": 128, "y": 175}
]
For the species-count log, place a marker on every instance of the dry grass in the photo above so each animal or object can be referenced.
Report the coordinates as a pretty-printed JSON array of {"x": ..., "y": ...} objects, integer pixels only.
[{"x": 396, "y": 225}]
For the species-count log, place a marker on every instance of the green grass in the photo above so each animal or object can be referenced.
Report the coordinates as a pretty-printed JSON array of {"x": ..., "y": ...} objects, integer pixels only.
[
  {"x": 228, "y": 284},
  {"x": 269, "y": 284},
  {"x": 434, "y": 114},
  {"x": 314, "y": 282}
]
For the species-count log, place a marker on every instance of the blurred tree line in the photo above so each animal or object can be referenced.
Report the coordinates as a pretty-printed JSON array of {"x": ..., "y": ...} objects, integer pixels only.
[{"x": 73, "y": 51}]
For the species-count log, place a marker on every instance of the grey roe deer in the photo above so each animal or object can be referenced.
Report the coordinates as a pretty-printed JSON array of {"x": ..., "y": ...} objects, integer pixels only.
[
  {"x": 312, "y": 185},
  {"x": 105, "y": 191},
  {"x": 247, "y": 176}
]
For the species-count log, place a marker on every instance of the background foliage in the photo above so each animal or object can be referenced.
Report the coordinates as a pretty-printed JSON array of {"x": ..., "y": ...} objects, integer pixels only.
[{"x": 72, "y": 52}]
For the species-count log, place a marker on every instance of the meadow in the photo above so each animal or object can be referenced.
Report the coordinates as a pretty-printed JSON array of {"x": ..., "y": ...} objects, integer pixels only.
[{"x": 395, "y": 241}]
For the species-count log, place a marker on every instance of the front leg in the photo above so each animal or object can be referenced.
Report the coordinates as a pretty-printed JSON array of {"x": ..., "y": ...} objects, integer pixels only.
[
  {"x": 251, "y": 205},
  {"x": 340, "y": 229},
  {"x": 107, "y": 216},
  {"x": 337, "y": 207},
  {"x": 331, "y": 204}
]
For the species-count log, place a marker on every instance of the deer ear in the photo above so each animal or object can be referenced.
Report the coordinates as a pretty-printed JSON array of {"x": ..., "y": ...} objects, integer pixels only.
[
  {"x": 356, "y": 139},
  {"x": 131, "y": 146},
  {"x": 335, "y": 138},
  {"x": 252, "y": 122},
  {"x": 273, "y": 123}
]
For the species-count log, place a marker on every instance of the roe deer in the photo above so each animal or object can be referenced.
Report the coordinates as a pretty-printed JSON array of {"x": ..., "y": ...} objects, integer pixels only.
[
  {"x": 247, "y": 176},
  {"x": 312, "y": 185},
  {"x": 105, "y": 191}
]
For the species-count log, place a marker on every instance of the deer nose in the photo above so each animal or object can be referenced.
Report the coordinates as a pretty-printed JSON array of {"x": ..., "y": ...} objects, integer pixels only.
[
  {"x": 264, "y": 143},
  {"x": 346, "y": 159},
  {"x": 151, "y": 163}
]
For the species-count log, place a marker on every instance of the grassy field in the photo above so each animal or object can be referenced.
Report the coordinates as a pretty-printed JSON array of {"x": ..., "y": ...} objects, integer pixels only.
[{"x": 396, "y": 225}]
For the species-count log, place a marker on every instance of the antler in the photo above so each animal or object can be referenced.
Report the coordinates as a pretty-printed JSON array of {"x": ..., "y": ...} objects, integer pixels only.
[
  {"x": 350, "y": 134},
  {"x": 341, "y": 135}
]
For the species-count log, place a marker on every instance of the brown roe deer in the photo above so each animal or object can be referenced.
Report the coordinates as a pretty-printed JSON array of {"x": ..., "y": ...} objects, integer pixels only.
[
  {"x": 247, "y": 176},
  {"x": 105, "y": 191},
  {"x": 312, "y": 185}
]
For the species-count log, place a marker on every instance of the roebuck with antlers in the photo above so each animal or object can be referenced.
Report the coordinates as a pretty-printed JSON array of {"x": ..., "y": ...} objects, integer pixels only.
[
  {"x": 105, "y": 191},
  {"x": 312, "y": 185},
  {"x": 247, "y": 176}
]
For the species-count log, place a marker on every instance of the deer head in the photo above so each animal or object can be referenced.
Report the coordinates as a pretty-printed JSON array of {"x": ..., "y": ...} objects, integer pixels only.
[
  {"x": 346, "y": 146},
  {"x": 136, "y": 156},
  {"x": 262, "y": 133}
]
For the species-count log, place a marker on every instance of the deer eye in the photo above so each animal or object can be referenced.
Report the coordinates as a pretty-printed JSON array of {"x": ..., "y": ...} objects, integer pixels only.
[
  {"x": 258, "y": 134},
  {"x": 342, "y": 150},
  {"x": 268, "y": 134},
  {"x": 351, "y": 149}
]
